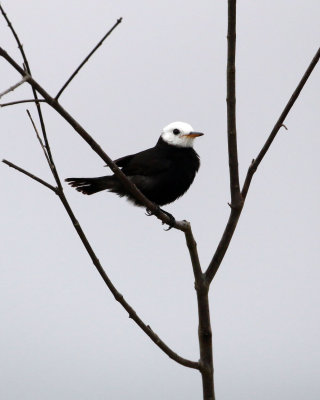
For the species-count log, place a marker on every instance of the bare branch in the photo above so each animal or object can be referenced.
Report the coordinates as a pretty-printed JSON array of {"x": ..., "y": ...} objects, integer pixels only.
[
  {"x": 87, "y": 58},
  {"x": 16, "y": 38},
  {"x": 118, "y": 296},
  {"x": 12, "y": 103},
  {"x": 28, "y": 70},
  {"x": 205, "y": 341},
  {"x": 146, "y": 328},
  {"x": 235, "y": 212},
  {"x": 192, "y": 247},
  {"x": 255, "y": 163},
  {"x": 34, "y": 177},
  {"x": 223, "y": 244},
  {"x": 180, "y": 225},
  {"x": 12, "y": 88},
  {"x": 236, "y": 199},
  {"x": 40, "y": 140}
]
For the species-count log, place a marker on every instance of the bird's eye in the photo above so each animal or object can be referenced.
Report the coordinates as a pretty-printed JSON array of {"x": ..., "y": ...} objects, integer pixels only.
[{"x": 176, "y": 131}]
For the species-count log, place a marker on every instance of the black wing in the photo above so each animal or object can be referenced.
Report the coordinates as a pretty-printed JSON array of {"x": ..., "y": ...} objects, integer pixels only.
[
  {"x": 123, "y": 161},
  {"x": 147, "y": 162}
]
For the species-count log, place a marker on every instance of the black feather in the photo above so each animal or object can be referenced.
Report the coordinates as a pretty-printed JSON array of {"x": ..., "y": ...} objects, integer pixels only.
[{"x": 162, "y": 173}]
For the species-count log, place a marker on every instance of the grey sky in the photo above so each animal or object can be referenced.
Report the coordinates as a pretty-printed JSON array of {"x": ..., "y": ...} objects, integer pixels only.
[{"x": 62, "y": 334}]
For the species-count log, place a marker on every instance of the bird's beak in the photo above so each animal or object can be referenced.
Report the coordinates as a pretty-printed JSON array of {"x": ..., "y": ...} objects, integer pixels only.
[{"x": 194, "y": 134}]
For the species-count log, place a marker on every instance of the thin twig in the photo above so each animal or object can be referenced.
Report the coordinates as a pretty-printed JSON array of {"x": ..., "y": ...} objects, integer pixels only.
[
  {"x": 40, "y": 140},
  {"x": 16, "y": 38},
  {"x": 87, "y": 58},
  {"x": 12, "y": 103},
  {"x": 12, "y": 88},
  {"x": 28, "y": 71},
  {"x": 255, "y": 163},
  {"x": 32, "y": 176}
]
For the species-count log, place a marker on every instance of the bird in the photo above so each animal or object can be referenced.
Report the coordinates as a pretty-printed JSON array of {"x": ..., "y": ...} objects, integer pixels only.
[{"x": 162, "y": 173}]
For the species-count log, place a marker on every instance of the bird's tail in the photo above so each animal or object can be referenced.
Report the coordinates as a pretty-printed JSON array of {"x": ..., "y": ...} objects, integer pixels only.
[{"x": 91, "y": 185}]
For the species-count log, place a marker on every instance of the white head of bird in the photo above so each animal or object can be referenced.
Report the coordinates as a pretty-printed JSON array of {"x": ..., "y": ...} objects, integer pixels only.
[{"x": 179, "y": 134}]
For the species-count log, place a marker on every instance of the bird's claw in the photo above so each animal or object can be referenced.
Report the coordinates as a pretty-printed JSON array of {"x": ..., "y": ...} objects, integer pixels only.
[
  {"x": 172, "y": 219},
  {"x": 156, "y": 212},
  {"x": 171, "y": 222}
]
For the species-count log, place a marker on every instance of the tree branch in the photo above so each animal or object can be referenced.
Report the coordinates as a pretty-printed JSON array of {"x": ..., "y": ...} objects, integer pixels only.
[
  {"x": 180, "y": 225},
  {"x": 236, "y": 200},
  {"x": 12, "y": 88},
  {"x": 87, "y": 58},
  {"x": 223, "y": 244},
  {"x": 255, "y": 163},
  {"x": 28, "y": 70},
  {"x": 12, "y": 103},
  {"x": 15, "y": 36},
  {"x": 34, "y": 177},
  {"x": 118, "y": 296},
  {"x": 205, "y": 341},
  {"x": 235, "y": 212},
  {"x": 193, "y": 252},
  {"x": 40, "y": 141},
  {"x": 236, "y": 197},
  {"x": 59, "y": 191}
]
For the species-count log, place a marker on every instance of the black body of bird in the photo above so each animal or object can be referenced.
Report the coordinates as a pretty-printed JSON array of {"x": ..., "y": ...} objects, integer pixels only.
[{"x": 162, "y": 173}]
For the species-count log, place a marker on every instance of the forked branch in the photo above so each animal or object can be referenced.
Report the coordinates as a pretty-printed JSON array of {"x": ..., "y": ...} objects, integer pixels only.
[
  {"x": 28, "y": 72},
  {"x": 32, "y": 176},
  {"x": 235, "y": 213},
  {"x": 59, "y": 190}
]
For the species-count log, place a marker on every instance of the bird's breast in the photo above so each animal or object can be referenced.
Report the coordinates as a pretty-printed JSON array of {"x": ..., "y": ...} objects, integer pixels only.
[{"x": 172, "y": 183}]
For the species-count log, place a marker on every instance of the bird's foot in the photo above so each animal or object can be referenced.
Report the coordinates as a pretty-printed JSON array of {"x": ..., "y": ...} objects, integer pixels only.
[
  {"x": 171, "y": 222},
  {"x": 156, "y": 212},
  {"x": 148, "y": 213},
  {"x": 172, "y": 219}
]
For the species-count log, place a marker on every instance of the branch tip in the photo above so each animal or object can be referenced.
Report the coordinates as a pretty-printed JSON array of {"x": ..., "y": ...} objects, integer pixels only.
[{"x": 119, "y": 20}]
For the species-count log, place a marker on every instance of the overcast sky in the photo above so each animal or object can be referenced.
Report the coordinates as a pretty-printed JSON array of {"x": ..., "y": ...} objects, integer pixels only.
[{"x": 62, "y": 335}]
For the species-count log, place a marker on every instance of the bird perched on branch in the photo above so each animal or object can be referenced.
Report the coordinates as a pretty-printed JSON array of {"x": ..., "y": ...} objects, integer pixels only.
[{"x": 162, "y": 173}]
